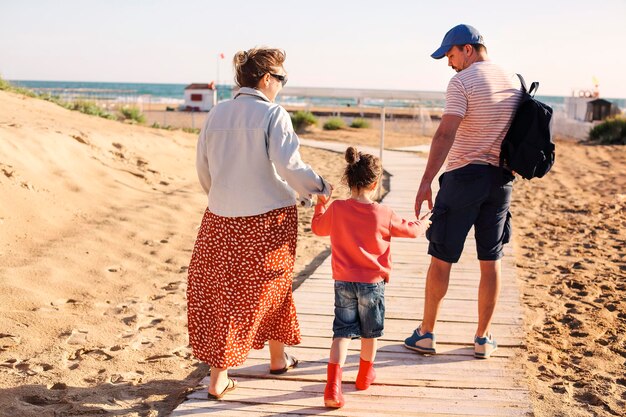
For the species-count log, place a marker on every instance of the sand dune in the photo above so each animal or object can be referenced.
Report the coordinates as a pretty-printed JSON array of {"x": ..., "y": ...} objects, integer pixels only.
[{"x": 98, "y": 220}]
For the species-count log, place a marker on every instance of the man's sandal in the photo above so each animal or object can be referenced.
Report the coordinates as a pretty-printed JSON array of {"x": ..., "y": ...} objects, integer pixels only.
[
  {"x": 290, "y": 363},
  {"x": 232, "y": 384}
]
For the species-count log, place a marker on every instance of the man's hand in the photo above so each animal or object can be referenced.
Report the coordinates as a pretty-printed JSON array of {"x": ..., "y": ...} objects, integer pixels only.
[{"x": 424, "y": 193}]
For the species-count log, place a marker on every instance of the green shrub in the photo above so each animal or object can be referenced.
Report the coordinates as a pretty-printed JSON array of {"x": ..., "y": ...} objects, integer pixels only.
[
  {"x": 360, "y": 124},
  {"x": 88, "y": 107},
  {"x": 7, "y": 86},
  {"x": 334, "y": 123},
  {"x": 194, "y": 130},
  {"x": 610, "y": 132},
  {"x": 303, "y": 119},
  {"x": 4, "y": 85},
  {"x": 132, "y": 113}
]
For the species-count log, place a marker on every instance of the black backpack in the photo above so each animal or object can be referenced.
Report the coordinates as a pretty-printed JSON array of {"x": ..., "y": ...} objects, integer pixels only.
[{"x": 527, "y": 147}]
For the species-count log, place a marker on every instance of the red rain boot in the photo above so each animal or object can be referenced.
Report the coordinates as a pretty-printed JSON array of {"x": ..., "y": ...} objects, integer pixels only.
[
  {"x": 366, "y": 375},
  {"x": 332, "y": 393}
]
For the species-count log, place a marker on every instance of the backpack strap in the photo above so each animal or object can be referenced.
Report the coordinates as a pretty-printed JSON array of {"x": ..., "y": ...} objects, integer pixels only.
[
  {"x": 533, "y": 87},
  {"x": 521, "y": 80}
]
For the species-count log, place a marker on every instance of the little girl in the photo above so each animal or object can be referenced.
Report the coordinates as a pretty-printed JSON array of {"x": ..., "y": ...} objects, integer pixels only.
[{"x": 360, "y": 233}]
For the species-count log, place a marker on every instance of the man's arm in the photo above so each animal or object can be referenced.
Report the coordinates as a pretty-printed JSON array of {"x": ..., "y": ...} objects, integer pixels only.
[{"x": 439, "y": 148}]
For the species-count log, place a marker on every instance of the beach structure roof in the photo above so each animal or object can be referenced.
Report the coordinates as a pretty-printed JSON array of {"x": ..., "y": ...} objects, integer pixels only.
[
  {"x": 201, "y": 86},
  {"x": 598, "y": 109}
]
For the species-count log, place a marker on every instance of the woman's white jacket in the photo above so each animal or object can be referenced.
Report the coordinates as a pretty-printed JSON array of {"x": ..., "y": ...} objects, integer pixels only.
[{"x": 248, "y": 160}]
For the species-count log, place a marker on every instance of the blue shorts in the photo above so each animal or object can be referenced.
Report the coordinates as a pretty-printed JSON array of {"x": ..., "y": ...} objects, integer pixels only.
[
  {"x": 474, "y": 195},
  {"x": 359, "y": 310}
]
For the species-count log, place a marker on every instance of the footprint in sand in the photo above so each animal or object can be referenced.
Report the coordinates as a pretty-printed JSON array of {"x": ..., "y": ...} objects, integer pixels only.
[
  {"x": 77, "y": 337},
  {"x": 98, "y": 354},
  {"x": 26, "y": 368},
  {"x": 64, "y": 302},
  {"x": 57, "y": 386},
  {"x": 130, "y": 320},
  {"x": 183, "y": 352},
  {"x": 148, "y": 323},
  {"x": 132, "y": 377},
  {"x": 8, "y": 341},
  {"x": 80, "y": 139},
  {"x": 8, "y": 172},
  {"x": 172, "y": 286},
  {"x": 141, "y": 343}
]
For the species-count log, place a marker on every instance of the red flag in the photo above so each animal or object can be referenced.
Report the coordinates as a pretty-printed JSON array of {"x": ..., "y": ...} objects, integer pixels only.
[{"x": 222, "y": 55}]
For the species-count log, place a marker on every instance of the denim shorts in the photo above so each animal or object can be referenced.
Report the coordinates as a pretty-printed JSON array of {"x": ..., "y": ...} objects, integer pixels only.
[
  {"x": 359, "y": 310},
  {"x": 474, "y": 195}
]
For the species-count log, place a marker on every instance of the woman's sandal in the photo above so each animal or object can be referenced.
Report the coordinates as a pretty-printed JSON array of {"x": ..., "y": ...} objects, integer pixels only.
[
  {"x": 290, "y": 363},
  {"x": 232, "y": 384}
]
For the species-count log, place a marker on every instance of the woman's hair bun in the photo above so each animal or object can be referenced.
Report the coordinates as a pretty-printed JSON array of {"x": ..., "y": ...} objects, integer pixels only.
[
  {"x": 352, "y": 155},
  {"x": 241, "y": 58}
]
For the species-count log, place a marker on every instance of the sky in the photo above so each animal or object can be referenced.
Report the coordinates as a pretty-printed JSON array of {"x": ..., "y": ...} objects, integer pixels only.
[{"x": 382, "y": 44}]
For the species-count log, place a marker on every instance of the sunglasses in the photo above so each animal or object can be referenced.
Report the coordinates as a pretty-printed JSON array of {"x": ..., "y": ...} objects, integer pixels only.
[{"x": 281, "y": 78}]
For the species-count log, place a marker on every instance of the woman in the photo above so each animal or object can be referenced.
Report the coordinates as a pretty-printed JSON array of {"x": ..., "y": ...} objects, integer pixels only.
[{"x": 239, "y": 292}]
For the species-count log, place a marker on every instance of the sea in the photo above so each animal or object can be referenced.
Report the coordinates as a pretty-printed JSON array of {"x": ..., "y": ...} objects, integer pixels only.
[{"x": 174, "y": 94}]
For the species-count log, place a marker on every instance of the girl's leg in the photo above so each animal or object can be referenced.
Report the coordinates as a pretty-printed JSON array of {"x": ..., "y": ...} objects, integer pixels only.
[
  {"x": 368, "y": 349},
  {"x": 333, "y": 397},
  {"x": 339, "y": 350},
  {"x": 218, "y": 381},
  {"x": 366, "y": 375}
]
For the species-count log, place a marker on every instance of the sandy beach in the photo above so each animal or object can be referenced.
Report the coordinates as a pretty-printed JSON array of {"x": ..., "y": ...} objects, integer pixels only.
[{"x": 98, "y": 221}]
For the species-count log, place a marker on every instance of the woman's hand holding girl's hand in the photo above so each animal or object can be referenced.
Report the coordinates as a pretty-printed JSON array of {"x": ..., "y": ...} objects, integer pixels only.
[{"x": 322, "y": 200}]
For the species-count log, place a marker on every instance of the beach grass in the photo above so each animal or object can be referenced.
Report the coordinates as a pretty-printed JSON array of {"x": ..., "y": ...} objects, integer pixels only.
[
  {"x": 360, "y": 124},
  {"x": 610, "y": 132},
  {"x": 90, "y": 108},
  {"x": 303, "y": 119},
  {"x": 132, "y": 113},
  {"x": 334, "y": 123}
]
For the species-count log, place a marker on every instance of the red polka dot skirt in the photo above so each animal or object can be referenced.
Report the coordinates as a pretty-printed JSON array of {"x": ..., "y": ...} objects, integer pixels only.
[{"x": 239, "y": 291}]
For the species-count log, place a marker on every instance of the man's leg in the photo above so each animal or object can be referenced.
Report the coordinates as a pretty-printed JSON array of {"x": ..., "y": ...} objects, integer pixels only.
[
  {"x": 437, "y": 280},
  {"x": 488, "y": 292}
]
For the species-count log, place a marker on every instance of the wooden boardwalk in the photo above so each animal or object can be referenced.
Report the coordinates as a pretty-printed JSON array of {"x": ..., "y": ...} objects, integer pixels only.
[{"x": 451, "y": 383}]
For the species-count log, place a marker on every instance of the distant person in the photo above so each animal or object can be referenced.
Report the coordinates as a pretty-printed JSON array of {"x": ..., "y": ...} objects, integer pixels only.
[
  {"x": 240, "y": 276},
  {"x": 474, "y": 191},
  {"x": 360, "y": 233}
]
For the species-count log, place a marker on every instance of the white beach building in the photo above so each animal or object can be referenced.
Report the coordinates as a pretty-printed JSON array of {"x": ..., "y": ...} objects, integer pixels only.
[{"x": 200, "y": 97}]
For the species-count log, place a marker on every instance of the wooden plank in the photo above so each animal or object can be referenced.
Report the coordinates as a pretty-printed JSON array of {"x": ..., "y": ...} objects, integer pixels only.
[
  {"x": 235, "y": 408},
  {"x": 452, "y": 374},
  {"x": 322, "y": 343},
  {"x": 444, "y": 328},
  {"x": 449, "y": 355},
  {"x": 399, "y": 392}
]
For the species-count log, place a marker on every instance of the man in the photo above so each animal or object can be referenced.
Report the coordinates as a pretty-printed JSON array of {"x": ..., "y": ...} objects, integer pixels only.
[{"x": 474, "y": 191}]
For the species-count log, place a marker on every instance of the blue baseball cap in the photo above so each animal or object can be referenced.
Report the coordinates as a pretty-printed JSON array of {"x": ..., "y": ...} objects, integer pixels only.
[{"x": 458, "y": 35}]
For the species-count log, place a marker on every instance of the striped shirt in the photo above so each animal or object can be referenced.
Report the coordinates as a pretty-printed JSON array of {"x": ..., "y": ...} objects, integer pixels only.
[{"x": 486, "y": 97}]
